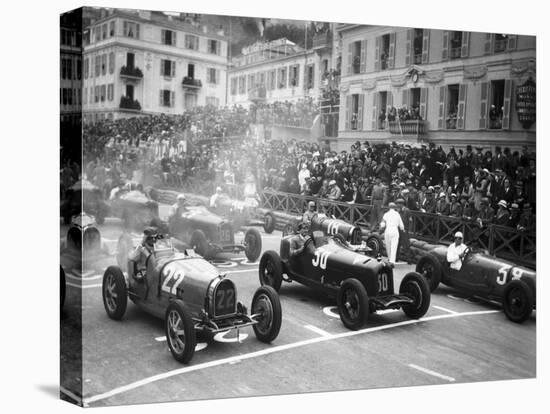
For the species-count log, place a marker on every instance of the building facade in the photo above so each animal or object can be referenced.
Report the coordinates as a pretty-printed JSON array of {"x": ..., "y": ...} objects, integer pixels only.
[
  {"x": 141, "y": 63},
  {"x": 456, "y": 88}
]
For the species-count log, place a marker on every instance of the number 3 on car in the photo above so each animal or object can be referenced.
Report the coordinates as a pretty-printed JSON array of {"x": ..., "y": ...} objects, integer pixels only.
[{"x": 320, "y": 259}]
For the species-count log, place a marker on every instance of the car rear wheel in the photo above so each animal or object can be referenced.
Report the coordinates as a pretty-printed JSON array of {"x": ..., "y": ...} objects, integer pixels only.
[
  {"x": 267, "y": 306},
  {"x": 271, "y": 270},
  {"x": 180, "y": 332},
  {"x": 253, "y": 244},
  {"x": 288, "y": 229},
  {"x": 199, "y": 242},
  {"x": 269, "y": 223},
  {"x": 123, "y": 249},
  {"x": 416, "y": 287},
  {"x": 430, "y": 269},
  {"x": 353, "y": 304},
  {"x": 517, "y": 301},
  {"x": 115, "y": 293},
  {"x": 375, "y": 243}
]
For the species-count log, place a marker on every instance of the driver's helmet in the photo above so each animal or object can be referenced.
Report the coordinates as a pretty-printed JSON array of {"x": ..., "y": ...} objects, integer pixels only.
[
  {"x": 302, "y": 226},
  {"x": 150, "y": 235}
]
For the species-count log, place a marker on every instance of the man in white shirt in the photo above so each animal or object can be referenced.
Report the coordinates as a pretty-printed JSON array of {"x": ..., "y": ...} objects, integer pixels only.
[
  {"x": 391, "y": 224},
  {"x": 456, "y": 252}
]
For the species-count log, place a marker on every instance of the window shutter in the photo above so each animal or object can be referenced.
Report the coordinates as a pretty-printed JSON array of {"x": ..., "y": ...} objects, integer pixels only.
[
  {"x": 425, "y": 45},
  {"x": 348, "y": 112},
  {"x": 162, "y": 67},
  {"x": 441, "y": 118},
  {"x": 172, "y": 98},
  {"x": 461, "y": 117},
  {"x": 465, "y": 49},
  {"x": 488, "y": 44},
  {"x": 218, "y": 44},
  {"x": 483, "y": 105},
  {"x": 313, "y": 75},
  {"x": 377, "y": 54},
  {"x": 172, "y": 68},
  {"x": 423, "y": 102},
  {"x": 125, "y": 28},
  {"x": 306, "y": 77},
  {"x": 512, "y": 42},
  {"x": 445, "y": 53},
  {"x": 161, "y": 95},
  {"x": 405, "y": 98},
  {"x": 374, "y": 112},
  {"x": 390, "y": 99},
  {"x": 111, "y": 62},
  {"x": 137, "y": 31},
  {"x": 391, "y": 59},
  {"x": 174, "y": 38},
  {"x": 507, "y": 102},
  {"x": 360, "y": 112},
  {"x": 363, "y": 67},
  {"x": 409, "y": 47},
  {"x": 350, "y": 58}
]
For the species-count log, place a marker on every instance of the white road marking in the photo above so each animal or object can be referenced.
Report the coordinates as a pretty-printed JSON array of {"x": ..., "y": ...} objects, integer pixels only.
[
  {"x": 433, "y": 373},
  {"x": 220, "y": 337},
  {"x": 317, "y": 330},
  {"x": 70, "y": 394},
  {"x": 271, "y": 350},
  {"x": 93, "y": 277},
  {"x": 384, "y": 311},
  {"x": 329, "y": 311},
  {"x": 160, "y": 339},
  {"x": 83, "y": 286},
  {"x": 441, "y": 308}
]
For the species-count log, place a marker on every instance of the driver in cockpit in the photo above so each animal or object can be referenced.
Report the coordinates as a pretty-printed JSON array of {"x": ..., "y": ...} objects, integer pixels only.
[
  {"x": 456, "y": 252},
  {"x": 142, "y": 252},
  {"x": 298, "y": 241}
]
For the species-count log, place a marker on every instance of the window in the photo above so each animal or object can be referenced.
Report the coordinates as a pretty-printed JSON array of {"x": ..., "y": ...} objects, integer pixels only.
[
  {"x": 96, "y": 94},
  {"x": 130, "y": 58},
  {"x": 293, "y": 76},
  {"x": 191, "y": 70},
  {"x": 310, "y": 77},
  {"x": 91, "y": 100},
  {"x": 282, "y": 78},
  {"x": 496, "y": 107},
  {"x": 242, "y": 85},
  {"x": 70, "y": 93},
  {"x": 130, "y": 91},
  {"x": 354, "y": 111},
  {"x": 501, "y": 42},
  {"x": 86, "y": 68},
  {"x": 168, "y": 37},
  {"x": 191, "y": 42},
  {"x": 384, "y": 52},
  {"x": 64, "y": 96},
  {"x": 455, "y": 44},
  {"x": 271, "y": 80},
  {"x": 111, "y": 62},
  {"x": 97, "y": 33},
  {"x": 251, "y": 81},
  {"x": 166, "y": 98},
  {"x": 110, "y": 91},
  {"x": 102, "y": 93},
  {"x": 78, "y": 69},
  {"x": 97, "y": 65},
  {"x": 356, "y": 57},
  {"x": 451, "y": 106},
  {"x": 233, "y": 87},
  {"x": 85, "y": 95},
  {"x": 212, "y": 100},
  {"x": 112, "y": 28},
  {"x": 213, "y": 47},
  {"x": 69, "y": 64},
  {"x": 104, "y": 31},
  {"x": 103, "y": 64},
  {"x": 418, "y": 37},
  {"x": 324, "y": 66},
  {"x": 63, "y": 69},
  {"x": 167, "y": 68},
  {"x": 131, "y": 29},
  {"x": 211, "y": 76},
  {"x": 382, "y": 104},
  {"x": 79, "y": 96},
  {"x": 190, "y": 101}
]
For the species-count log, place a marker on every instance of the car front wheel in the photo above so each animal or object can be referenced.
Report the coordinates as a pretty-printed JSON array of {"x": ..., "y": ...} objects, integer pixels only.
[
  {"x": 180, "y": 332},
  {"x": 517, "y": 301},
  {"x": 271, "y": 270},
  {"x": 430, "y": 269},
  {"x": 115, "y": 293},
  {"x": 415, "y": 287},
  {"x": 267, "y": 308},
  {"x": 353, "y": 304}
]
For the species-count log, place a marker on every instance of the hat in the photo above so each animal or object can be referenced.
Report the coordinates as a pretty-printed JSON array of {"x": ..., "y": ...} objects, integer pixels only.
[
  {"x": 311, "y": 203},
  {"x": 218, "y": 190},
  {"x": 181, "y": 196},
  {"x": 453, "y": 195},
  {"x": 400, "y": 201},
  {"x": 429, "y": 191},
  {"x": 392, "y": 205},
  {"x": 441, "y": 194},
  {"x": 459, "y": 234},
  {"x": 401, "y": 163},
  {"x": 503, "y": 203},
  {"x": 405, "y": 191},
  {"x": 401, "y": 184},
  {"x": 526, "y": 206},
  {"x": 150, "y": 231},
  {"x": 332, "y": 182},
  {"x": 484, "y": 200}
]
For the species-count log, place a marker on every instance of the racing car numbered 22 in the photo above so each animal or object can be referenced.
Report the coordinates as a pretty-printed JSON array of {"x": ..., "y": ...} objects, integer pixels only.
[
  {"x": 190, "y": 295},
  {"x": 361, "y": 284}
]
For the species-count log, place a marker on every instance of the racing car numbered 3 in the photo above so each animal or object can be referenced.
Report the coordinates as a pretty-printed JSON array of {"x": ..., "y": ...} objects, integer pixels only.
[
  {"x": 190, "y": 295},
  {"x": 360, "y": 284}
]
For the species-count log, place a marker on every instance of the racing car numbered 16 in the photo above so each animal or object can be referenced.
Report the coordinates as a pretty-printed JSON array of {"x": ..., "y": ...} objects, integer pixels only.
[
  {"x": 361, "y": 284},
  {"x": 190, "y": 295}
]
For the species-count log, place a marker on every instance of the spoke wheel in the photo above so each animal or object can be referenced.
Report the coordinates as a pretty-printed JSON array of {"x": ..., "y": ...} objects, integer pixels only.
[
  {"x": 430, "y": 269},
  {"x": 115, "y": 293},
  {"x": 267, "y": 306},
  {"x": 271, "y": 270},
  {"x": 180, "y": 332}
]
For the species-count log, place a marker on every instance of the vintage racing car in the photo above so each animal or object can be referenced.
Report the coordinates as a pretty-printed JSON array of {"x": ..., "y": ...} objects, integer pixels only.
[
  {"x": 135, "y": 208},
  {"x": 190, "y": 295},
  {"x": 84, "y": 196},
  {"x": 481, "y": 275},
  {"x": 361, "y": 284},
  {"x": 210, "y": 234}
]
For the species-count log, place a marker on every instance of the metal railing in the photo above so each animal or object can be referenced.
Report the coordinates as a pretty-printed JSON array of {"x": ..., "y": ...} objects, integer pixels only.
[{"x": 410, "y": 127}]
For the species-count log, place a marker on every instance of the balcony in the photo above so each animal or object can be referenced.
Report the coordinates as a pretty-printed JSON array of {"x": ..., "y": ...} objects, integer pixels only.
[
  {"x": 131, "y": 72},
  {"x": 128, "y": 103},
  {"x": 501, "y": 45},
  {"x": 456, "y": 52},
  {"x": 322, "y": 41},
  {"x": 191, "y": 83},
  {"x": 257, "y": 94},
  {"x": 410, "y": 128}
]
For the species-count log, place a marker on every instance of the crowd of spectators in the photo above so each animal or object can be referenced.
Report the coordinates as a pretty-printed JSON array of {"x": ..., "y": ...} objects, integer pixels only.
[{"x": 301, "y": 113}]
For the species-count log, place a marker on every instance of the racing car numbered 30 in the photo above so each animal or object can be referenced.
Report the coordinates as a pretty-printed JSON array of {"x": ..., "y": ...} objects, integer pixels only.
[
  {"x": 361, "y": 284},
  {"x": 189, "y": 294}
]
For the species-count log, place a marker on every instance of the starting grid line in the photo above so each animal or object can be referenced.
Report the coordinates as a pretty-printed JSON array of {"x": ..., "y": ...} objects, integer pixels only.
[{"x": 267, "y": 351}]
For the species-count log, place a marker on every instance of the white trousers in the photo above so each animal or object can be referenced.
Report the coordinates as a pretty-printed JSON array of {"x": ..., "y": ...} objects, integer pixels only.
[{"x": 391, "y": 237}]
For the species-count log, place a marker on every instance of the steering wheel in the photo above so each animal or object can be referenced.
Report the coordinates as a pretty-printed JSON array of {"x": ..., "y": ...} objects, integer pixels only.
[
  {"x": 308, "y": 241},
  {"x": 466, "y": 253}
]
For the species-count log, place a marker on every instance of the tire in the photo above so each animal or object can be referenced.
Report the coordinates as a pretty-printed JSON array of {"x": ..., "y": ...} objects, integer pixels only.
[
  {"x": 288, "y": 229},
  {"x": 375, "y": 243},
  {"x": 123, "y": 249},
  {"x": 269, "y": 223},
  {"x": 181, "y": 342},
  {"x": 517, "y": 301},
  {"x": 266, "y": 302},
  {"x": 62, "y": 286},
  {"x": 417, "y": 287},
  {"x": 199, "y": 243},
  {"x": 253, "y": 244},
  {"x": 271, "y": 270},
  {"x": 430, "y": 269},
  {"x": 115, "y": 293},
  {"x": 353, "y": 304}
]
